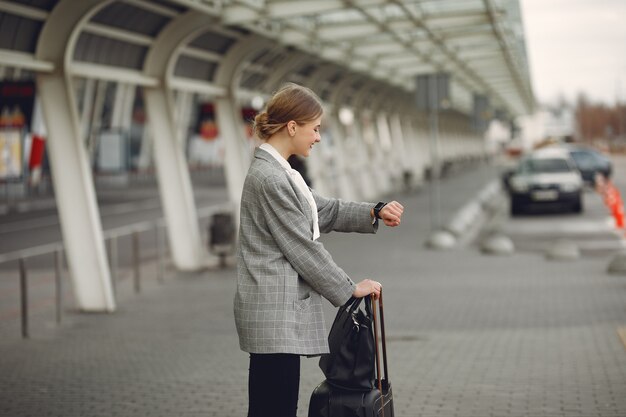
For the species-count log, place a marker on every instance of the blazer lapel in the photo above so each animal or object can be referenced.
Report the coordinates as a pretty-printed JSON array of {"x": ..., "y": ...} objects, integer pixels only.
[{"x": 303, "y": 203}]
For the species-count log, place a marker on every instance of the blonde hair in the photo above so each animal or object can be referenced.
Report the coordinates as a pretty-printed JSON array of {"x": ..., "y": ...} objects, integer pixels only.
[{"x": 290, "y": 102}]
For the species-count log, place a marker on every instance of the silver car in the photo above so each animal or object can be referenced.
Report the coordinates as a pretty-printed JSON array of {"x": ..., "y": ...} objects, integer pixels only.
[{"x": 546, "y": 178}]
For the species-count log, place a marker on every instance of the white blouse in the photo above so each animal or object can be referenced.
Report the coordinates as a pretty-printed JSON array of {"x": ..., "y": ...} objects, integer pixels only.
[{"x": 299, "y": 181}]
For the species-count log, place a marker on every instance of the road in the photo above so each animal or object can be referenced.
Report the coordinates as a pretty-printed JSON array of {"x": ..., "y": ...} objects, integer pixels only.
[{"x": 118, "y": 208}]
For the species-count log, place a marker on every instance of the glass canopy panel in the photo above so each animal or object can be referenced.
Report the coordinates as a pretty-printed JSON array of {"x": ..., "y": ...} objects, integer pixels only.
[
  {"x": 39, "y": 4},
  {"x": 213, "y": 42},
  {"x": 440, "y": 6},
  {"x": 18, "y": 33},
  {"x": 131, "y": 18},
  {"x": 189, "y": 67},
  {"x": 106, "y": 51}
]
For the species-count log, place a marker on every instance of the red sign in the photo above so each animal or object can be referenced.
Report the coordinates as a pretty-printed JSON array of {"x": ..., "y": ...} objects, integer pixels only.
[
  {"x": 207, "y": 126},
  {"x": 36, "y": 152}
]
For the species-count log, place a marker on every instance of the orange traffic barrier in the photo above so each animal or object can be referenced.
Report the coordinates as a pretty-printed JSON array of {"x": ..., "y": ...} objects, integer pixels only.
[
  {"x": 613, "y": 201},
  {"x": 618, "y": 212}
]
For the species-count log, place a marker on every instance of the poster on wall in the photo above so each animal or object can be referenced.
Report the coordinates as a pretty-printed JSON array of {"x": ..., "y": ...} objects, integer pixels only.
[
  {"x": 11, "y": 167},
  {"x": 17, "y": 100}
]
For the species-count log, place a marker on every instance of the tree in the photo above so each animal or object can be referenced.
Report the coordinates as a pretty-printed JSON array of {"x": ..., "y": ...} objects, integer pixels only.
[{"x": 597, "y": 121}]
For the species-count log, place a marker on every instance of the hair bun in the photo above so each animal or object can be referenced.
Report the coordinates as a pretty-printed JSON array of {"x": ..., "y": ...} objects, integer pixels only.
[{"x": 261, "y": 122}]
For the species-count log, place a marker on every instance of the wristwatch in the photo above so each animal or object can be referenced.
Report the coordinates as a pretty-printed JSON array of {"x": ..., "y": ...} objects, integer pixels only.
[{"x": 377, "y": 208}]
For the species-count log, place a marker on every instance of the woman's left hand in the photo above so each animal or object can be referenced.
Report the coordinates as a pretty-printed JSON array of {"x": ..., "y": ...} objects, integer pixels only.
[{"x": 391, "y": 214}]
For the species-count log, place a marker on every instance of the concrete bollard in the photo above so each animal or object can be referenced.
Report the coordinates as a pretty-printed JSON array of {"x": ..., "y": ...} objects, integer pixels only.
[
  {"x": 563, "y": 250},
  {"x": 617, "y": 265},
  {"x": 441, "y": 240},
  {"x": 497, "y": 244}
]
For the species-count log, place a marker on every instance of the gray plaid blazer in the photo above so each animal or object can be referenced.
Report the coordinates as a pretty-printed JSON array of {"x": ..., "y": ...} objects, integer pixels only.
[{"x": 281, "y": 272}]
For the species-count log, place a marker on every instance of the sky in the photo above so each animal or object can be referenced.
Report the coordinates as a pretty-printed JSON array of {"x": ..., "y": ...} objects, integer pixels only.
[{"x": 576, "y": 46}]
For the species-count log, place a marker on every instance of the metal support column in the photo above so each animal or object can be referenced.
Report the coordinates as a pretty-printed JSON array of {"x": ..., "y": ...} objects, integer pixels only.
[
  {"x": 73, "y": 181},
  {"x": 235, "y": 164},
  {"x": 76, "y": 197},
  {"x": 174, "y": 184}
]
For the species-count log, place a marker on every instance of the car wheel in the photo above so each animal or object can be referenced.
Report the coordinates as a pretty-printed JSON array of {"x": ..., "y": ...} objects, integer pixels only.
[{"x": 578, "y": 206}]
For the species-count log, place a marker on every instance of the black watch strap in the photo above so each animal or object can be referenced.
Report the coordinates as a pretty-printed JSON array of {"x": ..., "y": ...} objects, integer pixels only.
[{"x": 377, "y": 208}]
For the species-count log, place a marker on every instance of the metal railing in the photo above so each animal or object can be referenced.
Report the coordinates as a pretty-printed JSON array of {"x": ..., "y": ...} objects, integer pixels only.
[
  {"x": 113, "y": 239},
  {"x": 21, "y": 256},
  {"x": 133, "y": 231}
]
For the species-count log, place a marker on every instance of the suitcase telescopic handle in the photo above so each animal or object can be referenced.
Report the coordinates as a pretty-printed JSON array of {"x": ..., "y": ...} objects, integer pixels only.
[
  {"x": 384, "y": 339},
  {"x": 384, "y": 346},
  {"x": 383, "y": 342}
]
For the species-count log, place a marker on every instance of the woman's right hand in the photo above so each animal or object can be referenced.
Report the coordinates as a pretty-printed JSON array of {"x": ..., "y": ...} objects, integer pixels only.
[{"x": 367, "y": 287}]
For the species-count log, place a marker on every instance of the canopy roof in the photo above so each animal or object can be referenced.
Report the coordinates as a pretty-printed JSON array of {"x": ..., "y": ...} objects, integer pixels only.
[{"x": 479, "y": 43}]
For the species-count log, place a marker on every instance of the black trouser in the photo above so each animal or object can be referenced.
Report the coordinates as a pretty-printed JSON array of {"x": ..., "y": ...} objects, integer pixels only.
[{"x": 273, "y": 384}]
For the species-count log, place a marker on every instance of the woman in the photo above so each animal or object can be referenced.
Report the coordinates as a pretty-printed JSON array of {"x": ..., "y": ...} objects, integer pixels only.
[{"x": 282, "y": 270}]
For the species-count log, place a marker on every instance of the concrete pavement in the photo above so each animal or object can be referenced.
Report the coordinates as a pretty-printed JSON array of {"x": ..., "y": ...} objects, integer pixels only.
[{"x": 468, "y": 335}]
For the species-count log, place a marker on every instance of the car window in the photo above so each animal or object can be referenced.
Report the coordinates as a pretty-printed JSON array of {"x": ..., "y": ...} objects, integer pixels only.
[
  {"x": 589, "y": 159},
  {"x": 600, "y": 159},
  {"x": 584, "y": 159},
  {"x": 544, "y": 165}
]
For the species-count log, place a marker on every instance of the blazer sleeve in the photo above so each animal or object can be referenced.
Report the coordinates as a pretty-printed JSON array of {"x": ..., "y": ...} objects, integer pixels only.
[
  {"x": 344, "y": 216},
  {"x": 292, "y": 232}
]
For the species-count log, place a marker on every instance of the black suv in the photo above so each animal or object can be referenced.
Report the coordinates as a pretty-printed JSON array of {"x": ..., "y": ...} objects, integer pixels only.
[{"x": 589, "y": 162}]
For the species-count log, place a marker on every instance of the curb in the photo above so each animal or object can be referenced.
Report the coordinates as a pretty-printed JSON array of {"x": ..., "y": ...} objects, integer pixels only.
[
  {"x": 469, "y": 219},
  {"x": 26, "y": 206}
]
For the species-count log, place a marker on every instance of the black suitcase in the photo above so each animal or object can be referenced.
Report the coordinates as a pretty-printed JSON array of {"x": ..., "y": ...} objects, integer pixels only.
[{"x": 330, "y": 401}]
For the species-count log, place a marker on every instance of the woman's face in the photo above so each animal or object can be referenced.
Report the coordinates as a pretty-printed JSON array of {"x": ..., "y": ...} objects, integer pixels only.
[{"x": 306, "y": 136}]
